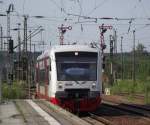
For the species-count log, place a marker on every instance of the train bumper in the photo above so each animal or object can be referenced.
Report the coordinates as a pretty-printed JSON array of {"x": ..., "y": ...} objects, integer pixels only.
[
  {"x": 71, "y": 94},
  {"x": 82, "y": 105}
]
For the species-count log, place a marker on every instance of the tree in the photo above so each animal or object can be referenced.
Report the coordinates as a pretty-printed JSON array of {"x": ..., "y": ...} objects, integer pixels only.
[{"x": 140, "y": 48}]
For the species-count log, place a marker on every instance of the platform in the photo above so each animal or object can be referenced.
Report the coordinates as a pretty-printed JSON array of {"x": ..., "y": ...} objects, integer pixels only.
[{"x": 24, "y": 112}]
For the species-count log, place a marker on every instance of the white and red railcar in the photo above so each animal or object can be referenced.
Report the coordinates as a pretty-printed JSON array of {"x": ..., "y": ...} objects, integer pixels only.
[{"x": 70, "y": 76}]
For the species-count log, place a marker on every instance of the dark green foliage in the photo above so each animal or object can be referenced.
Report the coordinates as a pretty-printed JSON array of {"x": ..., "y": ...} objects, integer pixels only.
[{"x": 15, "y": 91}]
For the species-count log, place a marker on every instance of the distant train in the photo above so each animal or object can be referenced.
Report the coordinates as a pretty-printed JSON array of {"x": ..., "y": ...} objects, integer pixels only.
[{"x": 70, "y": 76}]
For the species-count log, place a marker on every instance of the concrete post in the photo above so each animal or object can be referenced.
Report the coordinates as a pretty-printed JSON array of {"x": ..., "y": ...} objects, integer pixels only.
[{"x": 0, "y": 86}]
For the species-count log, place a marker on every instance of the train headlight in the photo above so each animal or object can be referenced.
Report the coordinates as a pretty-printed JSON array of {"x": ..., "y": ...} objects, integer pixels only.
[
  {"x": 60, "y": 85},
  {"x": 93, "y": 85}
]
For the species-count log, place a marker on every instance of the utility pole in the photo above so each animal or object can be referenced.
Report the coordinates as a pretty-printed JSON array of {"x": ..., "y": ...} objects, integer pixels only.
[
  {"x": 8, "y": 25},
  {"x": 0, "y": 85},
  {"x": 111, "y": 59},
  {"x": 24, "y": 57},
  {"x": 62, "y": 31},
  {"x": 122, "y": 67},
  {"x": 115, "y": 41},
  {"x": 30, "y": 71},
  {"x": 1, "y": 37},
  {"x": 111, "y": 55},
  {"x": 19, "y": 52},
  {"x": 25, "y": 35},
  {"x": 133, "y": 72},
  {"x": 10, "y": 9},
  {"x": 42, "y": 39},
  {"x": 34, "y": 52}
]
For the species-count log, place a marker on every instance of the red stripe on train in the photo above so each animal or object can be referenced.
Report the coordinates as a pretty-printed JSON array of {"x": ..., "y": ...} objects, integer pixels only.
[{"x": 72, "y": 105}]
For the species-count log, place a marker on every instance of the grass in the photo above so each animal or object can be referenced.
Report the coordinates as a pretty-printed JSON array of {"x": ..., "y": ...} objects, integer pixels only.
[
  {"x": 15, "y": 91},
  {"x": 127, "y": 86}
]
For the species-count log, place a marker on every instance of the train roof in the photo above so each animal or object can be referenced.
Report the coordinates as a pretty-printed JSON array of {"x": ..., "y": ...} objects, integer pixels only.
[{"x": 67, "y": 48}]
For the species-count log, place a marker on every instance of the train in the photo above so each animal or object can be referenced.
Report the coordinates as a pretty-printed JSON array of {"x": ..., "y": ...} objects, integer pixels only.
[{"x": 70, "y": 77}]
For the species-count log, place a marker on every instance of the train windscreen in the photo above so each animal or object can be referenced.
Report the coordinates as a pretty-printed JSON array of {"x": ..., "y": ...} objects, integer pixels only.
[{"x": 76, "y": 66}]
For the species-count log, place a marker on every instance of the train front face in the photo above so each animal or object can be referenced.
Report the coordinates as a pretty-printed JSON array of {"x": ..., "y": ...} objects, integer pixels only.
[{"x": 78, "y": 87}]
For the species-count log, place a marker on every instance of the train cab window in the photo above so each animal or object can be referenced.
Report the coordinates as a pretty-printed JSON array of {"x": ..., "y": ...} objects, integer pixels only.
[{"x": 71, "y": 67}]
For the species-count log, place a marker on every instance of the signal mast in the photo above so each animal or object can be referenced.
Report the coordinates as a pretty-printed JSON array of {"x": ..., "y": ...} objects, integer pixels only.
[
  {"x": 62, "y": 31},
  {"x": 103, "y": 29}
]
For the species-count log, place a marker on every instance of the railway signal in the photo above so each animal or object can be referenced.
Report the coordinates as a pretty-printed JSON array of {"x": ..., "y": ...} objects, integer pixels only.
[
  {"x": 62, "y": 31},
  {"x": 103, "y": 29}
]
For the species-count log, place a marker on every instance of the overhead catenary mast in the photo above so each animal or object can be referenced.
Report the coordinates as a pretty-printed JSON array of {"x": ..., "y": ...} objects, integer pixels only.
[
  {"x": 1, "y": 37},
  {"x": 10, "y": 44},
  {"x": 122, "y": 66}
]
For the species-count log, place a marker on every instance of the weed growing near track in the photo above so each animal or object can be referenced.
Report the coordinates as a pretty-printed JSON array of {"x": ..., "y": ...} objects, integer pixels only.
[
  {"x": 127, "y": 86},
  {"x": 15, "y": 91}
]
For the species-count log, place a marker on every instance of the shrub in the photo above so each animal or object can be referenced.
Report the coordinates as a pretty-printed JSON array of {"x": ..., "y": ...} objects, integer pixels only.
[{"x": 15, "y": 91}]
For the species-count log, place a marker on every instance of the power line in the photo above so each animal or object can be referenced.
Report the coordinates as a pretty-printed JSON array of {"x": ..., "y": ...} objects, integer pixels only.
[
  {"x": 108, "y": 18},
  {"x": 23, "y": 5},
  {"x": 137, "y": 29},
  {"x": 143, "y": 8},
  {"x": 59, "y": 7},
  {"x": 96, "y": 7},
  {"x": 80, "y": 6}
]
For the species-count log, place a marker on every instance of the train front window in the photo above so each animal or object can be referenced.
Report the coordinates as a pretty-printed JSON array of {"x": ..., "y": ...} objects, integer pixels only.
[{"x": 81, "y": 67}]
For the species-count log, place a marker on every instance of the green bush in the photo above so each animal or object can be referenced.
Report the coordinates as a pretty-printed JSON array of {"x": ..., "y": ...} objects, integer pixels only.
[{"x": 15, "y": 91}]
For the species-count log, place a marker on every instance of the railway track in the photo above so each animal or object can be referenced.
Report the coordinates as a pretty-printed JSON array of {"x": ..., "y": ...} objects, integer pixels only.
[
  {"x": 137, "y": 109},
  {"x": 137, "y": 96},
  {"x": 115, "y": 114},
  {"x": 108, "y": 113}
]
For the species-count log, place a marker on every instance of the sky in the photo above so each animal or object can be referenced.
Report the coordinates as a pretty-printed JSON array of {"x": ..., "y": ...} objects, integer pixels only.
[{"x": 84, "y": 31}]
